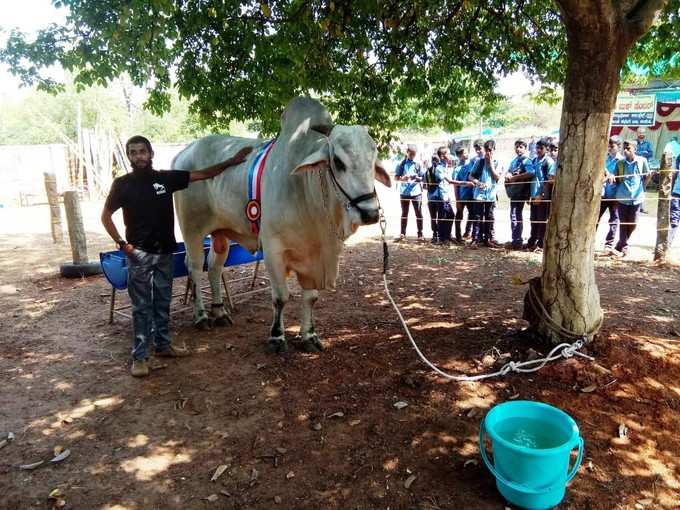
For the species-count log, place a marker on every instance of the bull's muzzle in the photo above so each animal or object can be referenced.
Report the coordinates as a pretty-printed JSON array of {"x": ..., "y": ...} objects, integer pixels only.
[{"x": 370, "y": 216}]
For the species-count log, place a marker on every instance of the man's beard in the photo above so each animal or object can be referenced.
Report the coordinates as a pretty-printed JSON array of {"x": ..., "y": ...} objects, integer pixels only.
[{"x": 138, "y": 168}]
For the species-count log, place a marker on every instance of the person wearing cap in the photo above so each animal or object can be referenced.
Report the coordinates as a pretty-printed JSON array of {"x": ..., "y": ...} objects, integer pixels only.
[
  {"x": 609, "y": 202},
  {"x": 518, "y": 192},
  {"x": 644, "y": 146},
  {"x": 410, "y": 173},
  {"x": 631, "y": 173}
]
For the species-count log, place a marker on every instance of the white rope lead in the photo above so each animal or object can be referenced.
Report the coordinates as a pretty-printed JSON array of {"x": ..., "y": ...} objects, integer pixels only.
[{"x": 564, "y": 350}]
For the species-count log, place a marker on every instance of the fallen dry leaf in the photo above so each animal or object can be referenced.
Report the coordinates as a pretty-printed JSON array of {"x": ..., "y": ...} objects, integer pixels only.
[
  {"x": 409, "y": 481},
  {"x": 470, "y": 462},
  {"x": 62, "y": 456},
  {"x": 339, "y": 414},
  {"x": 32, "y": 466},
  {"x": 58, "y": 449},
  {"x": 589, "y": 389},
  {"x": 401, "y": 404},
  {"x": 290, "y": 475},
  {"x": 354, "y": 423},
  {"x": 218, "y": 472},
  {"x": 623, "y": 431},
  {"x": 277, "y": 500},
  {"x": 212, "y": 498}
]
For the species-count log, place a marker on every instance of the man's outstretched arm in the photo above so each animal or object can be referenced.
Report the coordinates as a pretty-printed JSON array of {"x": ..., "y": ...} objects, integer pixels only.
[{"x": 212, "y": 171}]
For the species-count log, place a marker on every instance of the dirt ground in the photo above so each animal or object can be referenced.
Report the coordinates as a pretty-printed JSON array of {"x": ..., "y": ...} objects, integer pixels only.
[{"x": 320, "y": 431}]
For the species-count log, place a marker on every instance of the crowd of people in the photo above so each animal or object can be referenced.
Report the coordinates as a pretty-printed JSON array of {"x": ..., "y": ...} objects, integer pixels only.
[{"x": 460, "y": 187}]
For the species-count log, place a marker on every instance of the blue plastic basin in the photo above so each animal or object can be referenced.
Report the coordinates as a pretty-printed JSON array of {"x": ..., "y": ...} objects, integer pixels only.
[{"x": 114, "y": 263}]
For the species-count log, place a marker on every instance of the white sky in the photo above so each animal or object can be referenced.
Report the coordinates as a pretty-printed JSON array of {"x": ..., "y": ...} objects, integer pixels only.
[{"x": 31, "y": 15}]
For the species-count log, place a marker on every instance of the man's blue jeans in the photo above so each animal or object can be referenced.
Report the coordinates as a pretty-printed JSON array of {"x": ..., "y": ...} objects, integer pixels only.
[
  {"x": 613, "y": 207},
  {"x": 150, "y": 290}
]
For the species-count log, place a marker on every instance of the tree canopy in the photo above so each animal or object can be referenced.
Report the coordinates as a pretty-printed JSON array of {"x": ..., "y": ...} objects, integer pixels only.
[{"x": 384, "y": 64}]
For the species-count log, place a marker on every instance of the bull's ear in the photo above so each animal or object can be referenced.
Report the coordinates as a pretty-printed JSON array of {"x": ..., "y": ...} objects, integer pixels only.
[
  {"x": 316, "y": 161},
  {"x": 381, "y": 174}
]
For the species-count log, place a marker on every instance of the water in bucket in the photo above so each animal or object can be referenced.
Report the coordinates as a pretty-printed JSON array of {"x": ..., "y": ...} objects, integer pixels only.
[
  {"x": 531, "y": 433},
  {"x": 532, "y": 444}
]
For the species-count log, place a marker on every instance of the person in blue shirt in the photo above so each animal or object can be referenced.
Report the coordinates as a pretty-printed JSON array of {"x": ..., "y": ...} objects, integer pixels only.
[
  {"x": 518, "y": 192},
  {"x": 434, "y": 193},
  {"x": 464, "y": 197},
  {"x": 644, "y": 146},
  {"x": 631, "y": 173},
  {"x": 538, "y": 210},
  {"x": 478, "y": 146},
  {"x": 484, "y": 175},
  {"x": 549, "y": 183},
  {"x": 410, "y": 174},
  {"x": 675, "y": 203},
  {"x": 609, "y": 202},
  {"x": 445, "y": 179}
]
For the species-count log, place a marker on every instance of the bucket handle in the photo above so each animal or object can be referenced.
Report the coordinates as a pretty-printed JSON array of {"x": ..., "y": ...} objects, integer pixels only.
[{"x": 523, "y": 488}]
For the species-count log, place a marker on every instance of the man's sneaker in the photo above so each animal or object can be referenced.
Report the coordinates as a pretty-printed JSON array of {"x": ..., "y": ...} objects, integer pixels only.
[
  {"x": 140, "y": 368},
  {"x": 400, "y": 239},
  {"x": 467, "y": 236},
  {"x": 171, "y": 352},
  {"x": 420, "y": 237}
]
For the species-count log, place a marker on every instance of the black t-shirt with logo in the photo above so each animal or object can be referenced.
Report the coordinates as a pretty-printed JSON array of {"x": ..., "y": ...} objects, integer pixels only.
[{"x": 146, "y": 199}]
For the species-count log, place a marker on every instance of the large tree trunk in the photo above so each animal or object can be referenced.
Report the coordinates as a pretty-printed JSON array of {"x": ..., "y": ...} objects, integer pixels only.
[{"x": 599, "y": 39}]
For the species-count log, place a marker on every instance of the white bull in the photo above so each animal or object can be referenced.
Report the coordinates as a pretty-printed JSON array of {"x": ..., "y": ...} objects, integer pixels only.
[{"x": 317, "y": 188}]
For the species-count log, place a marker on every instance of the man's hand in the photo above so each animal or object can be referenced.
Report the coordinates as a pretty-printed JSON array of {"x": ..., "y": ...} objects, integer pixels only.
[
  {"x": 128, "y": 249},
  {"x": 240, "y": 156},
  {"x": 212, "y": 171}
]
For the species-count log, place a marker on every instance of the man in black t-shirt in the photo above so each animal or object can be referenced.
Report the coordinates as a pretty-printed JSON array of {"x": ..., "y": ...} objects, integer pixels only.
[{"x": 146, "y": 198}]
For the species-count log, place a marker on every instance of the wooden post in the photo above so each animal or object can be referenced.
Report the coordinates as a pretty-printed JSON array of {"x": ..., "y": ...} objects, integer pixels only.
[
  {"x": 55, "y": 211},
  {"x": 76, "y": 231},
  {"x": 663, "y": 222}
]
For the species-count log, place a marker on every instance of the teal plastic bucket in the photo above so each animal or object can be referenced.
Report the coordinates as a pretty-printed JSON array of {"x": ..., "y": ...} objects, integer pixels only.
[{"x": 532, "y": 444}]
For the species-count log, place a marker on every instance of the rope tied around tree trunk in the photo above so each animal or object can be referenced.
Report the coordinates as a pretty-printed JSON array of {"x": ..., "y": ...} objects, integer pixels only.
[{"x": 540, "y": 312}]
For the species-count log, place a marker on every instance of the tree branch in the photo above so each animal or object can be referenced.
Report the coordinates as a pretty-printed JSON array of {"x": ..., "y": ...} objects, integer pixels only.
[{"x": 642, "y": 15}]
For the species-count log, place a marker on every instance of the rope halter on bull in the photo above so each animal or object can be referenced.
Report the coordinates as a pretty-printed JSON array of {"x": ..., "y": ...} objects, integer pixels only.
[
  {"x": 344, "y": 198},
  {"x": 563, "y": 350}
]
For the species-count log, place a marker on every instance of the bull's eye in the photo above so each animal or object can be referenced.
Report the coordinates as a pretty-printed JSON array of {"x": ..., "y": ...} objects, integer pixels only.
[{"x": 338, "y": 164}]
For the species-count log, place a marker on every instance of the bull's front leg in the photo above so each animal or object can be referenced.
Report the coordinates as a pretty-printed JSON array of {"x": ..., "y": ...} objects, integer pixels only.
[
  {"x": 310, "y": 340},
  {"x": 277, "y": 277}
]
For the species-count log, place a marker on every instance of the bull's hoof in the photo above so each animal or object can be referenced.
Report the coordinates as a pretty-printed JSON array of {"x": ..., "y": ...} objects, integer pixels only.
[
  {"x": 312, "y": 344},
  {"x": 277, "y": 345},
  {"x": 203, "y": 323}
]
